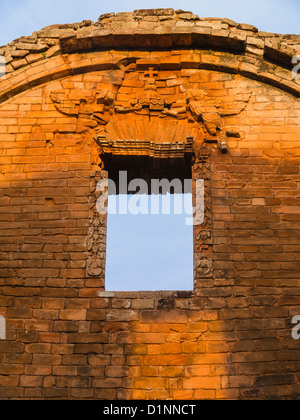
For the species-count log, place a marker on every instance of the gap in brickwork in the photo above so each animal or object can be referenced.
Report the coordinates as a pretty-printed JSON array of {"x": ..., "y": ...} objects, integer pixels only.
[
  {"x": 149, "y": 239},
  {"x": 149, "y": 252}
]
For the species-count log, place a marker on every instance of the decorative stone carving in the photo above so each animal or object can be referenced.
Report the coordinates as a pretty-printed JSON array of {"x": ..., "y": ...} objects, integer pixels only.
[
  {"x": 96, "y": 239},
  {"x": 201, "y": 110},
  {"x": 203, "y": 262},
  {"x": 141, "y": 109},
  {"x": 205, "y": 110},
  {"x": 145, "y": 148},
  {"x": 91, "y": 110},
  {"x": 2, "y": 328},
  {"x": 150, "y": 100}
]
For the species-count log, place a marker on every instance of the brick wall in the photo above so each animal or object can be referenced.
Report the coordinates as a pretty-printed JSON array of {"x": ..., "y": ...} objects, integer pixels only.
[{"x": 65, "y": 336}]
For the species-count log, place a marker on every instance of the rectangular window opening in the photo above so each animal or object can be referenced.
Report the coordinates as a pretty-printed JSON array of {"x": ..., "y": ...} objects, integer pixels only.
[{"x": 149, "y": 234}]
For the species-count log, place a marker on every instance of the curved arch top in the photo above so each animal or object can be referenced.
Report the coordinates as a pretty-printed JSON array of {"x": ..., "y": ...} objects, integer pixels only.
[
  {"x": 55, "y": 68},
  {"x": 112, "y": 42}
]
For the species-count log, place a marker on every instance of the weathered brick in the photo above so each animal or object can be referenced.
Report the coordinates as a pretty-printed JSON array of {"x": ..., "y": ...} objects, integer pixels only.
[
  {"x": 275, "y": 380},
  {"x": 202, "y": 383},
  {"x": 88, "y": 349},
  {"x": 73, "y": 314},
  {"x": 121, "y": 315},
  {"x": 46, "y": 359},
  {"x": 231, "y": 338},
  {"x": 88, "y": 338},
  {"x": 31, "y": 381}
]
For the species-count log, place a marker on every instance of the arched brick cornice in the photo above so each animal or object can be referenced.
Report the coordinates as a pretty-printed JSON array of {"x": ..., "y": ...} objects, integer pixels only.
[{"x": 215, "y": 44}]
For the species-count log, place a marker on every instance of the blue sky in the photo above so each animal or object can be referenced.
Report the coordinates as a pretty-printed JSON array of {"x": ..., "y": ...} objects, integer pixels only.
[
  {"x": 22, "y": 17},
  {"x": 150, "y": 252},
  {"x": 158, "y": 255}
]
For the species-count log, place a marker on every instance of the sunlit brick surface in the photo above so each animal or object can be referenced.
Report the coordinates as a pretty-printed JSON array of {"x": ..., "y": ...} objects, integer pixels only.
[{"x": 229, "y": 339}]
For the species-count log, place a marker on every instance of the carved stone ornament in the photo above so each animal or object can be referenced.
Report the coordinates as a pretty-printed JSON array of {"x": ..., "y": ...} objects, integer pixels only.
[{"x": 149, "y": 113}]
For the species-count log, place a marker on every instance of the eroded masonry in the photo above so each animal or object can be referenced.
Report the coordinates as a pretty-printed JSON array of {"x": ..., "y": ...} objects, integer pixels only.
[{"x": 184, "y": 93}]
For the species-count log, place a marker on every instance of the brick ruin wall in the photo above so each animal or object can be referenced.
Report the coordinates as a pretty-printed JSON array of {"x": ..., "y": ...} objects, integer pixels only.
[{"x": 66, "y": 337}]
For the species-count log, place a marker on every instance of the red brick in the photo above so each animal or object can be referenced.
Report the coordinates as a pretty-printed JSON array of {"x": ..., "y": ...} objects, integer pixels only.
[
  {"x": 228, "y": 339},
  {"x": 31, "y": 381},
  {"x": 46, "y": 359},
  {"x": 73, "y": 314},
  {"x": 202, "y": 383}
]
